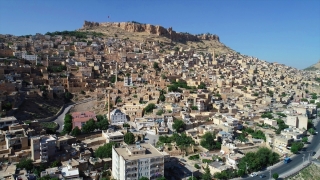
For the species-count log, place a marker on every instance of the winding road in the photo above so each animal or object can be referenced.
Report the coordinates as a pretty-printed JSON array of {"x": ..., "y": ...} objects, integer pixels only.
[
  {"x": 60, "y": 119},
  {"x": 296, "y": 160}
]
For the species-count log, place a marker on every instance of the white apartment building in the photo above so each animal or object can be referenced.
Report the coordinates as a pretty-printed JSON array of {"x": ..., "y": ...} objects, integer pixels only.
[
  {"x": 135, "y": 161},
  {"x": 117, "y": 117},
  {"x": 29, "y": 57}
]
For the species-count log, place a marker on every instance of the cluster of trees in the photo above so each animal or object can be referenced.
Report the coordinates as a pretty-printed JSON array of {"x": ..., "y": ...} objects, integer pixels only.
[
  {"x": 226, "y": 174},
  {"x": 174, "y": 87},
  {"x": 77, "y": 34},
  {"x": 28, "y": 165},
  {"x": 156, "y": 66},
  {"x": 208, "y": 141},
  {"x": 162, "y": 97},
  {"x": 255, "y": 134},
  {"x": 181, "y": 140},
  {"x": 102, "y": 124},
  {"x": 296, "y": 146},
  {"x": 202, "y": 86},
  {"x": 55, "y": 69},
  {"x": 194, "y": 108},
  {"x": 267, "y": 115},
  {"x": 105, "y": 151},
  {"x": 314, "y": 96},
  {"x": 149, "y": 108},
  {"x": 281, "y": 125},
  {"x": 178, "y": 125},
  {"x": 281, "y": 114},
  {"x": 255, "y": 161},
  {"x": 129, "y": 138}
]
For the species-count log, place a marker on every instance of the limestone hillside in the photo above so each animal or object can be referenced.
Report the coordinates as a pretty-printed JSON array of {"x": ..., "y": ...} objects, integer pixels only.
[
  {"x": 140, "y": 32},
  {"x": 313, "y": 67}
]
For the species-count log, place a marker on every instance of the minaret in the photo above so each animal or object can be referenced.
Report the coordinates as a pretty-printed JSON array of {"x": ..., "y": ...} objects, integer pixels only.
[
  {"x": 116, "y": 71},
  {"x": 213, "y": 56},
  {"x": 47, "y": 60},
  {"x": 109, "y": 106}
]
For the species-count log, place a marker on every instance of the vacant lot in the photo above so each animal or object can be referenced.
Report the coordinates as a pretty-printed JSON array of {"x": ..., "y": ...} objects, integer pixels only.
[
  {"x": 37, "y": 108},
  {"x": 311, "y": 172}
]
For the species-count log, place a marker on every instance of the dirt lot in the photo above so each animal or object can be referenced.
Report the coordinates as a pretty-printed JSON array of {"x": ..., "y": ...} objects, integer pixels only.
[
  {"x": 309, "y": 173},
  {"x": 37, "y": 108},
  {"x": 89, "y": 106}
]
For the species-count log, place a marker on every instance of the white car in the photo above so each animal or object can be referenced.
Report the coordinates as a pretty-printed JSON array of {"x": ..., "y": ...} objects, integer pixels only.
[{"x": 253, "y": 174}]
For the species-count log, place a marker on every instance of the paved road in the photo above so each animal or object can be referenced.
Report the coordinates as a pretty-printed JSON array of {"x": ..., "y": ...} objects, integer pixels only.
[
  {"x": 297, "y": 160},
  {"x": 60, "y": 119}
]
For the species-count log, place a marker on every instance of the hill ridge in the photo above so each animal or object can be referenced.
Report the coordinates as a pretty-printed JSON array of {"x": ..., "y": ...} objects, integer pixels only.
[{"x": 153, "y": 29}]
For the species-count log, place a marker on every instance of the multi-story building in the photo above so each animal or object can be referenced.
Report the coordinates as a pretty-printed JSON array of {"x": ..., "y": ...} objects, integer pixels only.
[
  {"x": 16, "y": 139},
  {"x": 117, "y": 117},
  {"x": 112, "y": 136},
  {"x": 29, "y": 57},
  {"x": 43, "y": 147},
  {"x": 136, "y": 161},
  {"x": 7, "y": 121}
]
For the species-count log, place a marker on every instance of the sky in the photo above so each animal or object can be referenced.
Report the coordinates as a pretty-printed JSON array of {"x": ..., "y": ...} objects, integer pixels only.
[{"x": 283, "y": 31}]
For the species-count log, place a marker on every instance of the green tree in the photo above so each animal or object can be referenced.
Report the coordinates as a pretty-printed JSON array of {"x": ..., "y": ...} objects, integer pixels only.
[
  {"x": 275, "y": 175},
  {"x": 89, "y": 126},
  {"x": 126, "y": 125},
  {"x": 68, "y": 118},
  {"x": 206, "y": 175},
  {"x": 67, "y": 128},
  {"x": 296, "y": 146},
  {"x": 143, "y": 178},
  {"x": 105, "y": 151},
  {"x": 202, "y": 86},
  {"x": 156, "y": 66},
  {"x": 208, "y": 141},
  {"x": 67, "y": 123},
  {"x": 68, "y": 96},
  {"x": 241, "y": 172},
  {"x": 161, "y": 178},
  {"x": 194, "y": 107},
  {"x": 103, "y": 124},
  {"x": 75, "y": 131},
  {"x": 129, "y": 138},
  {"x": 25, "y": 164},
  {"x": 178, "y": 125},
  {"x": 160, "y": 112},
  {"x": 311, "y": 131},
  {"x": 55, "y": 164},
  {"x": 149, "y": 108},
  {"x": 305, "y": 139},
  {"x": 162, "y": 98}
]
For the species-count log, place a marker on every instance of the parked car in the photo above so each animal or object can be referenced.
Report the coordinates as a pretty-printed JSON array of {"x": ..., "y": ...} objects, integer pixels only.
[
  {"x": 262, "y": 176},
  {"x": 253, "y": 174},
  {"x": 183, "y": 160}
]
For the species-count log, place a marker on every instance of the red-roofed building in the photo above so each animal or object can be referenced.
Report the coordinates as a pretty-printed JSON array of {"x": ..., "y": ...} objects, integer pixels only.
[{"x": 80, "y": 118}]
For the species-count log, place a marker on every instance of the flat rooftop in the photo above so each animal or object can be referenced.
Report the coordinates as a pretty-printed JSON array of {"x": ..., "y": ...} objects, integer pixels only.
[
  {"x": 10, "y": 118},
  {"x": 150, "y": 152}
]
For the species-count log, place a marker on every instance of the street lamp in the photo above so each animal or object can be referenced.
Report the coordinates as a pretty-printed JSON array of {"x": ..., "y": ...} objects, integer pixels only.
[{"x": 270, "y": 174}]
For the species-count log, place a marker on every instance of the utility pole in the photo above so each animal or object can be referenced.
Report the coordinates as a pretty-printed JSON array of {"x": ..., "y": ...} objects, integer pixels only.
[
  {"x": 270, "y": 174},
  {"x": 192, "y": 174},
  {"x": 246, "y": 167}
]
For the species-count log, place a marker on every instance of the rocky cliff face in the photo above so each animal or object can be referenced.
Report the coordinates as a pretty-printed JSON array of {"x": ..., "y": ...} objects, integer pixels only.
[{"x": 152, "y": 29}]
